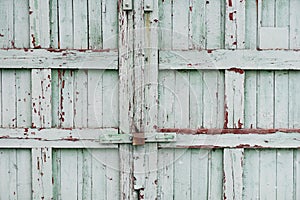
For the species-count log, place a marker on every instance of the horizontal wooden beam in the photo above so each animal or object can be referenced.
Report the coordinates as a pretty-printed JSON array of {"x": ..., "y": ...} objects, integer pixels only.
[
  {"x": 58, "y": 59},
  {"x": 230, "y": 59},
  {"x": 55, "y": 138},
  {"x": 275, "y": 140}
]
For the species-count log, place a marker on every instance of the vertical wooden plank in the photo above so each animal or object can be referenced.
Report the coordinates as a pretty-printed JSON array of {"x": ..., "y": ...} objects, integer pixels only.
[
  {"x": 66, "y": 37},
  {"x": 80, "y": 15},
  {"x": 215, "y": 174},
  {"x": 234, "y": 95},
  {"x": 6, "y": 24},
  {"x": 98, "y": 174},
  {"x": 215, "y": 31},
  {"x": 231, "y": 24},
  {"x": 181, "y": 109},
  {"x": 251, "y": 24},
  {"x": 125, "y": 99},
  {"x": 21, "y": 24},
  {"x": 56, "y": 163},
  {"x": 110, "y": 98},
  {"x": 268, "y": 13},
  {"x": 294, "y": 24},
  {"x": 167, "y": 99},
  {"x": 240, "y": 23},
  {"x": 41, "y": 98},
  {"x": 267, "y": 174},
  {"x": 296, "y": 174},
  {"x": 284, "y": 187},
  {"x": 166, "y": 173},
  {"x": 196, "y": 99},
  {"x": 80, "y": 98},
  {"x": 23, "y": 96},
  {"x": 110, "y": 23},
  {"x": 165, "y": 23},
  {"x": 281, "y": 119},
  {"x": 39, "y": 23},
  {"x": 8, "y": 172},
  {"x": 95, "y": 95},
  {"x": 250, "y": 99},
  {"x": 199, "y": 174},
  {"x": 182, "y": 162},
  {"x": 53, "y": 16},
  {"x": 210, "y": 88},
  {"x": 220, "y": 95},
  {"x": 86, "y": 174},
  {"x": 69, "y": 176},
  {"x": 180, "y": 24},
  {"x": 8, "y": 98},
  {"x": 197, "y": 24},
  {"x": 41, "y": 173},
  {"x": 294, "y": 99},
  {"x": 66, "y": 98},
  {"x": 233, "y": 173},
  {"x": 265, "y": 99},
  {"x": 251, "y": 174},
  {"x": 95, "y": 24},
  {"x": 282, "y": 13},
  {"x": 23, "y": 174},
  {"x": 112, "y": 173},
  {"x": 55, "y": 97}
]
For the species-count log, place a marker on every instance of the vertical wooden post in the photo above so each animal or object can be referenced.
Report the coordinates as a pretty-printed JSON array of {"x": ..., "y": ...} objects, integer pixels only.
[{"x": 234, "y": 118}]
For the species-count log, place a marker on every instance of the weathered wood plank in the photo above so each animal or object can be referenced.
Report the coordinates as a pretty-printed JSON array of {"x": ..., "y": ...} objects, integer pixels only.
[
  {"x": 296, "y": 173},
  {"x": 110, "y": 24},
  {"x": 39, "y": 23},
  {"x": 196, "y": 99},
  {"x": 265, "y": 102},
  {"x": 110, "y": 99},
  {"x": 250, "y": 99},
  {"x": 8, "y": 172},
  {"x": 9, "y": 102},
  {"x": 24, "y": 179},
  {"x": 231, "y": 24},
  {"x": 241, "y": 24},
  {"x": 95, "y": 24},
  {"x": 215, "y": 174},
  {"x": 42, "y": 173},
  {"x": 80, "y": 98},
  {"x": 98, "y": 174},
  {"x": 233, "y": 173},
  {"x": 80, "y": 15},
  {"x": 284, "y": 178},
  {"x": 53, "y": 17},
  {"x": 95, "y": 96},
  {"x": 281, "y": 112},
  {"x": 181, "y": 94},
  {"x": 41, "y": 98},
  {"x": 251, "y": 174},
  {"x": 199, "y": 173},
  {"x": 65, "y": 18},
  {"x": 294, "y": 24},
  {"x": 166, "y": 99},
  {"x": 294, "y": 99},
  {"x": 251, "y": 25},
  {"x": 166, "y": 173},
  {"x": 6, "y": 24},
  {"x": 180, "y": 25},
  {"x": 267, "y": 177},
  {"x": 268, "y": 13},
  {"x": 21, "y": 24},
  {"x": 165, "y": 22},
  {"x": 23, "y": 97},
  {"x": 56, "y": 161},
  {"x": 234, "y": 97},
  {"x": 210, "y": 90},
  {"x": 182, "y": 187},
  {"x": 197, "y": 35},
  {"x": 69, "y": 176},
  {"x": 282, "y": 13},
  {"x": 112, "y": 173},
  {"x": 215, "y": 30},
  {"x": 224, "y": 59},
  {"x": 275, "y": 140},
  {"x": 87, "y": 173}
]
